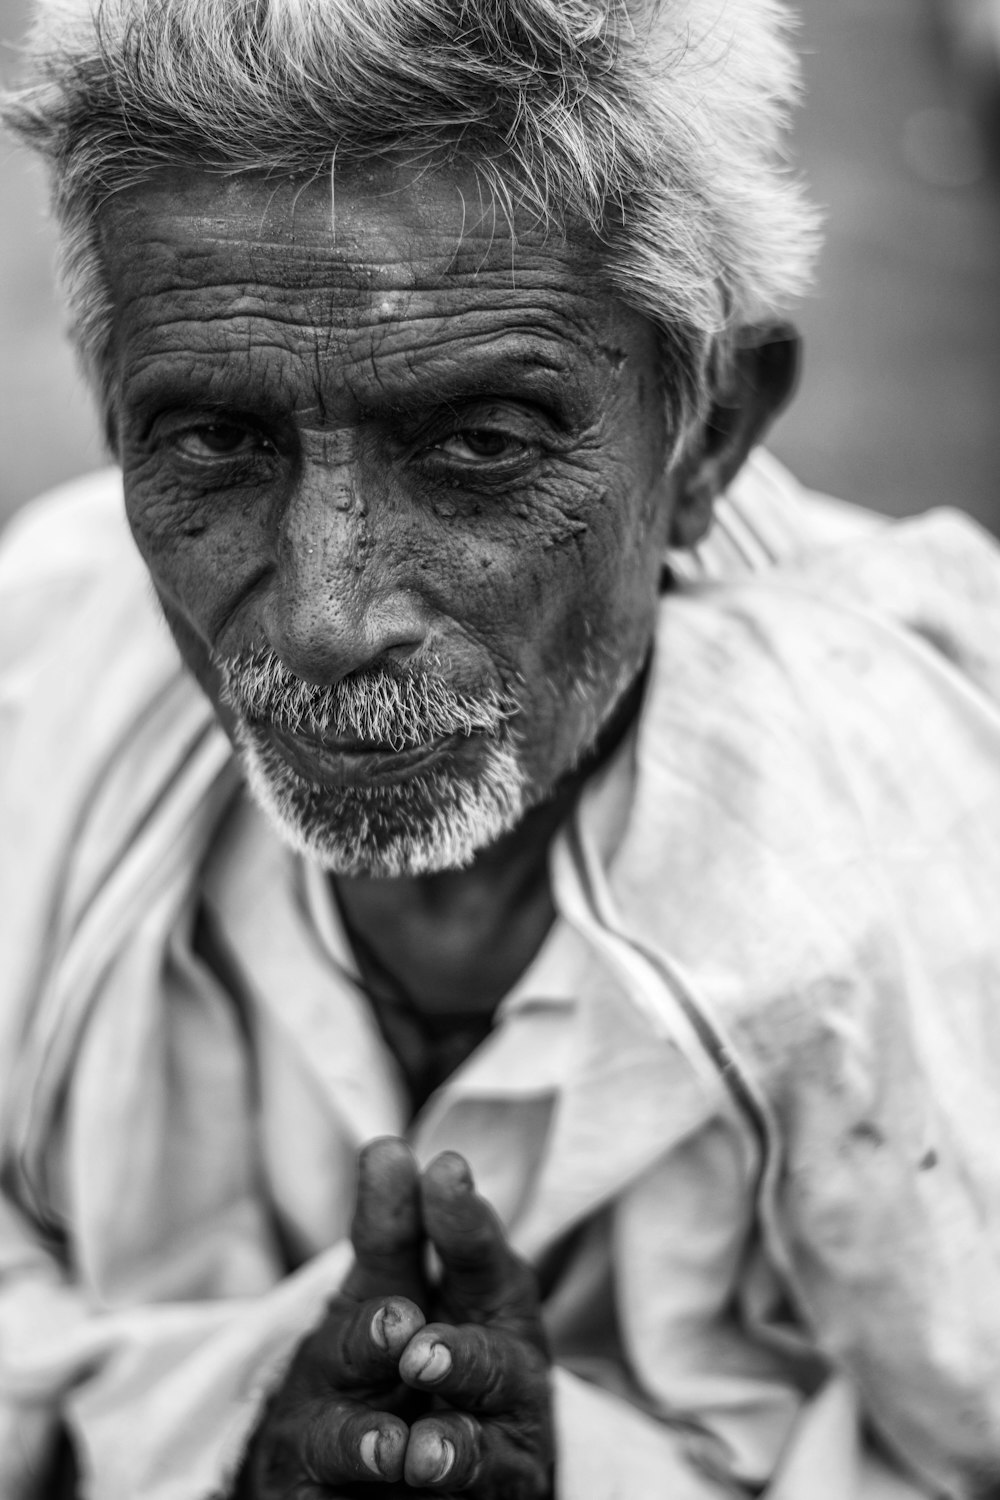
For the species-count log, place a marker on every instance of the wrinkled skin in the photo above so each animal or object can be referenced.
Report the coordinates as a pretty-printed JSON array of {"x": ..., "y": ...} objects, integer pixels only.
[
  {"x": 437, "y": 1388},
  {"x": 390, "y": 431},
  {"x": 416, "y": 441}
]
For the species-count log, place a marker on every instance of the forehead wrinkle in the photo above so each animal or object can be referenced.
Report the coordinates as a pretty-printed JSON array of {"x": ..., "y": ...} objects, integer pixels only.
[
  {"x": 384, "y": 314},
  {"x": 470, "y": 358},
  {"x": 304, "y": 378},
  {"x": 423, "y": 255},
  {"x": 277, "y": 290},
  {"x": 546, "y": 329}
]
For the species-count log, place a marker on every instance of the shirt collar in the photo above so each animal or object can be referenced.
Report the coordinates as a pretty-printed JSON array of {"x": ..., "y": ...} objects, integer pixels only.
[{"x": 551, "y": 978}]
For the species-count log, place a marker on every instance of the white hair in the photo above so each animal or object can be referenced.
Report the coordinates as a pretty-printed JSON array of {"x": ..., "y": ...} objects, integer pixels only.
[{"x": 655, "y": 127}]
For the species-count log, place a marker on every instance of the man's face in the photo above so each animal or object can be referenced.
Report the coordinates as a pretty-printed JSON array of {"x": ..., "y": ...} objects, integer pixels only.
[{"x": 399, "y": 480}]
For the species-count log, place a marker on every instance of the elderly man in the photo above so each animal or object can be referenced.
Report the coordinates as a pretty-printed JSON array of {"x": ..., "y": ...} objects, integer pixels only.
[{"x": 545, "y": 1045}]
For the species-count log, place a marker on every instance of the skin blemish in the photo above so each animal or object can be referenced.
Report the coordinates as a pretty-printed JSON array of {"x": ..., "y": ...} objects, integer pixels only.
[
  {"x": 383, "y": 275},
  {"x": 392, "y": 304},
  {"x": 568, "y": 532},
  {"x": 615, "y": 355},
  {"x": 372, "y": 363}
]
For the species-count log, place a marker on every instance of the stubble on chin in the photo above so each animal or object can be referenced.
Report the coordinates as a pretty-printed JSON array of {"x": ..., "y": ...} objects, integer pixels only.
[
  {"x": 435, "y": 820},
  {"x": 438, "y": 818}
]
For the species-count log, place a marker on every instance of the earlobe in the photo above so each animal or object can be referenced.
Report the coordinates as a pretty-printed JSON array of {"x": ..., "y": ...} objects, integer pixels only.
[{"x": 762, "y": 378}]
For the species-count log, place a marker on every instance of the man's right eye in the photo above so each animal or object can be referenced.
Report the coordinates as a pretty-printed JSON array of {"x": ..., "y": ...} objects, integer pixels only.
[{"x": 207, "y": 441}]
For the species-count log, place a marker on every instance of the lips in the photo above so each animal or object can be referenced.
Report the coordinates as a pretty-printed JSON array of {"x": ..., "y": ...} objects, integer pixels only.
[{"x": 353, "y": 763}]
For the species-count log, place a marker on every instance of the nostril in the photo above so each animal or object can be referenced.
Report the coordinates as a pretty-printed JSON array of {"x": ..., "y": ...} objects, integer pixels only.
[{"x": 327, "y": 637}]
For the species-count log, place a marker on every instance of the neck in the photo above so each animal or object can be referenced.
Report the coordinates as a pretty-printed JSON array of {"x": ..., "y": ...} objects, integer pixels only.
[{"x": 457, "y": 940}]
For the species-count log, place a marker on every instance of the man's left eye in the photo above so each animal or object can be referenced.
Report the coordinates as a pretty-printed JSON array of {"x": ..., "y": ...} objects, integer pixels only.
[
  {"x": 475, "y": 444},
  {"x": 218, "y": 440}
]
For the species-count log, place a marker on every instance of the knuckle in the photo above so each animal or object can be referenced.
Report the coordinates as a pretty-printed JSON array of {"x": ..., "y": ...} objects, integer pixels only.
[
  {"x": 480, "y": 1350},
  {"x": 487, "y": 1369},
  {"x": 344, "y": 1353},
  {"x": 466, "y": 1436},
  {"x": 496, "y": 1393},
  {"x": 315, "y": 1441},
  {"x": 518, "y": 1463},
  {"x": 473, "y": 1246}
]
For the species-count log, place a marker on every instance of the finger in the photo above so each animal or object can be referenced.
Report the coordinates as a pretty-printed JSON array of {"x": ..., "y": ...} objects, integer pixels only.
[
  {"x": 387, "y": 1232},
  {"x": 453, "y": 1452},
  {"x": 358, "y": 1346},
  {"x": 343, "y": 1442},
  {"x": 483, "y": 1278},
  {"x": 480, "y": 1370},
  {"x": 443, "y": 1451}
]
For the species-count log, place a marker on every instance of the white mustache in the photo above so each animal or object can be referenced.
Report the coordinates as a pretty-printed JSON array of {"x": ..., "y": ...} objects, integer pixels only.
[{"x": 390, "y": 706}]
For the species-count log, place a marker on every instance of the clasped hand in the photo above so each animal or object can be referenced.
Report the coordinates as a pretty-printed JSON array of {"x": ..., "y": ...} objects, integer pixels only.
[{"x": 411, "y": 1387}]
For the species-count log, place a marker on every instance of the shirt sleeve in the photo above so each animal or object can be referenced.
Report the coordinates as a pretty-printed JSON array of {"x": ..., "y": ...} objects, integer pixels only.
[
  {"x": 161, "y": 1398},
  {"x": 154, "y": 1335}
]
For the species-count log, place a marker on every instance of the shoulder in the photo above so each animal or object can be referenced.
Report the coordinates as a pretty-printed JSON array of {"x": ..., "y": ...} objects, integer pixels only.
[
  {"x": 68, "y": 532},
  {"x": 925, "y": 588},
  {"x": 57, "y": 553},
  {"x": 814, "y": 846},
  {"x": 817, "y": 792},
  {"x": 82, "y": 639},
  {"x": 768, "y": 519}
]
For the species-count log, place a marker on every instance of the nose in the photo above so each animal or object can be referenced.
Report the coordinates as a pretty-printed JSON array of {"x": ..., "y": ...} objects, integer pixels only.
[{"x": 338, "y": 602}]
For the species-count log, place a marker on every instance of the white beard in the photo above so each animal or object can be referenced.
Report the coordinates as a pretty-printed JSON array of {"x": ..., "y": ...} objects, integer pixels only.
[{"x": 436, "y": 820}]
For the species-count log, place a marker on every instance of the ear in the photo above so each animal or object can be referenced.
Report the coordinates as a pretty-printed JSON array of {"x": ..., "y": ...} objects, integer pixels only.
[
  {"x": 763, "y": 377},
  {"x": 111, "y": 432}
]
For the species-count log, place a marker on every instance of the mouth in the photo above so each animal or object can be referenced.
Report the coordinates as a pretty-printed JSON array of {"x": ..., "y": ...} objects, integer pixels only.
[{"x": 353, "y": 762}]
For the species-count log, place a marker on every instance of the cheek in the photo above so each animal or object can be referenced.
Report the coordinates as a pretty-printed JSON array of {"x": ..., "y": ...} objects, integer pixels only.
[
  {"x": 570, "y": 575},
  {"x": 600, "y": 557},
  {"x": 203, "y": 553}
]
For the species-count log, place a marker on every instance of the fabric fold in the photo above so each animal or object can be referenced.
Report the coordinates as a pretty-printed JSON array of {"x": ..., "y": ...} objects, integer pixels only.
[{"x": 796, "y": 952}]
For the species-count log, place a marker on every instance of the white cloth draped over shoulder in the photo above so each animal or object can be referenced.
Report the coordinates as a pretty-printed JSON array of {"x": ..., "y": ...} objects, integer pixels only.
[{"x": 741, "y": 1110}]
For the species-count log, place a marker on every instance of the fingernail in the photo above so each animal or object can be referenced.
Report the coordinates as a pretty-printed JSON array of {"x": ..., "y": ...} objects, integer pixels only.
[
  {"x": 447, "y": 1459},
  {"x": 454, "y": 1169},
  {"x": 436, "y": 1365},
  {"x": 377, "y": 1329},
  {"x": 369, "y": 1451}
]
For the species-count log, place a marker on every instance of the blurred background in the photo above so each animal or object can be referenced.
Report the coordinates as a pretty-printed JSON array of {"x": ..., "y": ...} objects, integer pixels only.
[{"x": 899, "y": 406}]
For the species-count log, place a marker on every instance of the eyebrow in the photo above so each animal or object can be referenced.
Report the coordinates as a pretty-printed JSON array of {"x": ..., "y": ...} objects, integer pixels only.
[
  {"x": 424, "y": 378},
  {"x": 432, "y": 380}
]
